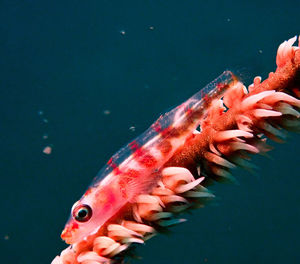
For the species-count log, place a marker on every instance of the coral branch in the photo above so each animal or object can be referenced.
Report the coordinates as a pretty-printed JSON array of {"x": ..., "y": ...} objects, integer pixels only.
[{"x": 234, "y": 127}]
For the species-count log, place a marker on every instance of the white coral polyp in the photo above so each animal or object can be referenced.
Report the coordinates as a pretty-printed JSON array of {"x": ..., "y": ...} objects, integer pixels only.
[{"x": 285, "y": 51}]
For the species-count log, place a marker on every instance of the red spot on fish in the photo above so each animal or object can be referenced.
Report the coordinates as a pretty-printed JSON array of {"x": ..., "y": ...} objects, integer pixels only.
[
  {"x": 134, "y": 145},
  {"x": 175, "y": 132},
  {"x": 136, "y": 148},
  {"x": 88, "y": 191},
  {"x": 74, "y": 226},
  {"x": 132, "y": 173},
  {"x": 114, "y": 166},
  {"x": 164, "y": 146},
  {"x": 157, "y": 127},
  {"x": 129, "y": 175},
  {"x": 147, "y": 160},
  {"x": 166, "y": 132},
  {"x": 117, "y": 171},
  {"x": 220, "y": 86}
]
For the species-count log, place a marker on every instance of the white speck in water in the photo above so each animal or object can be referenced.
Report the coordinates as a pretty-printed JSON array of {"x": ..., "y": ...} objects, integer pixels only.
[
  {"x": 132, "y": 128},
  {"x": 106, "y": 112},
  {"x": 123, "y": 32},
  {"x": 47, "y": 150}
]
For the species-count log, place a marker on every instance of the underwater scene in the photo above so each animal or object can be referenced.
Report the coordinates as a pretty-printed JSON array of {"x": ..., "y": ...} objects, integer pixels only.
[{"x": 82, "y": 79}]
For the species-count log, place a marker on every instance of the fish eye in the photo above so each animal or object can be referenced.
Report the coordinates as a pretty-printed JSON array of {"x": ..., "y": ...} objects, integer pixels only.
[{"x": 82, "y": 213}]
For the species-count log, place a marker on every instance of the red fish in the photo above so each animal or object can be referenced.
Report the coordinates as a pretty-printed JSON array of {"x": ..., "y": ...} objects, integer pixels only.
[{"x": 135, "y": 169}]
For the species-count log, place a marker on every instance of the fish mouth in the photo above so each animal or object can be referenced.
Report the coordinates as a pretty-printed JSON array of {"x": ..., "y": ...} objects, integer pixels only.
[
  {"x": 67, "y": 236},
  {"x": 69, "y": 233},
  {"x": 70, "y": 236}
]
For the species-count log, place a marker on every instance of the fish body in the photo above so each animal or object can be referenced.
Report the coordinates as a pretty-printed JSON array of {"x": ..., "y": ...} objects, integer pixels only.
[{"x": 136, "y": 168}]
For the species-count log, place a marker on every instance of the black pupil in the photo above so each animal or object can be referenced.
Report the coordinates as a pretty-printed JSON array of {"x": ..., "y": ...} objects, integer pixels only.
[{"x": 82, "y": 213}]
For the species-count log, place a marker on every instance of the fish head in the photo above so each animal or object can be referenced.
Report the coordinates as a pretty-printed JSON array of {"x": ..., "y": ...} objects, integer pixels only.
[{"x": 88, "y": 215}]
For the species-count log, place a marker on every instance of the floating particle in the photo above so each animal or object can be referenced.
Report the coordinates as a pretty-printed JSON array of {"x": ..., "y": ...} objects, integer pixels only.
[
  {"x": 45, "y": 120},
  {"x": 132, "y": 128},
  {"x": 47, "y": 150},
  {"x": 45, "y": 136},
  {"x": 151, "y": 28},
  {"x": 6, "y": 237},
  {"x": 106, "y": 112},
  {"x": 40, "y": 112},
  {"x": 123, "y": 32},
  {"x": 228, "y": 19},
  {"x": 260, "y": 51}
]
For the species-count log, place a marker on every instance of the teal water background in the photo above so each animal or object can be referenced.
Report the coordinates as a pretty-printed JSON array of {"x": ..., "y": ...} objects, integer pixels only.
[{"x": 91, "y": 75}]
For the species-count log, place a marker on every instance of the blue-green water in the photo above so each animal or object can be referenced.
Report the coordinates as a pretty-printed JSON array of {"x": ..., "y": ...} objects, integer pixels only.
[{"x": 98, "y": 68}]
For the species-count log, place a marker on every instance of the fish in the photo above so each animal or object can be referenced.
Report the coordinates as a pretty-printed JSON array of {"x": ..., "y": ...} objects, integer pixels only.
[
  {"x": 146, "y": 185},
  {"x": 136, "y": 168}
]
